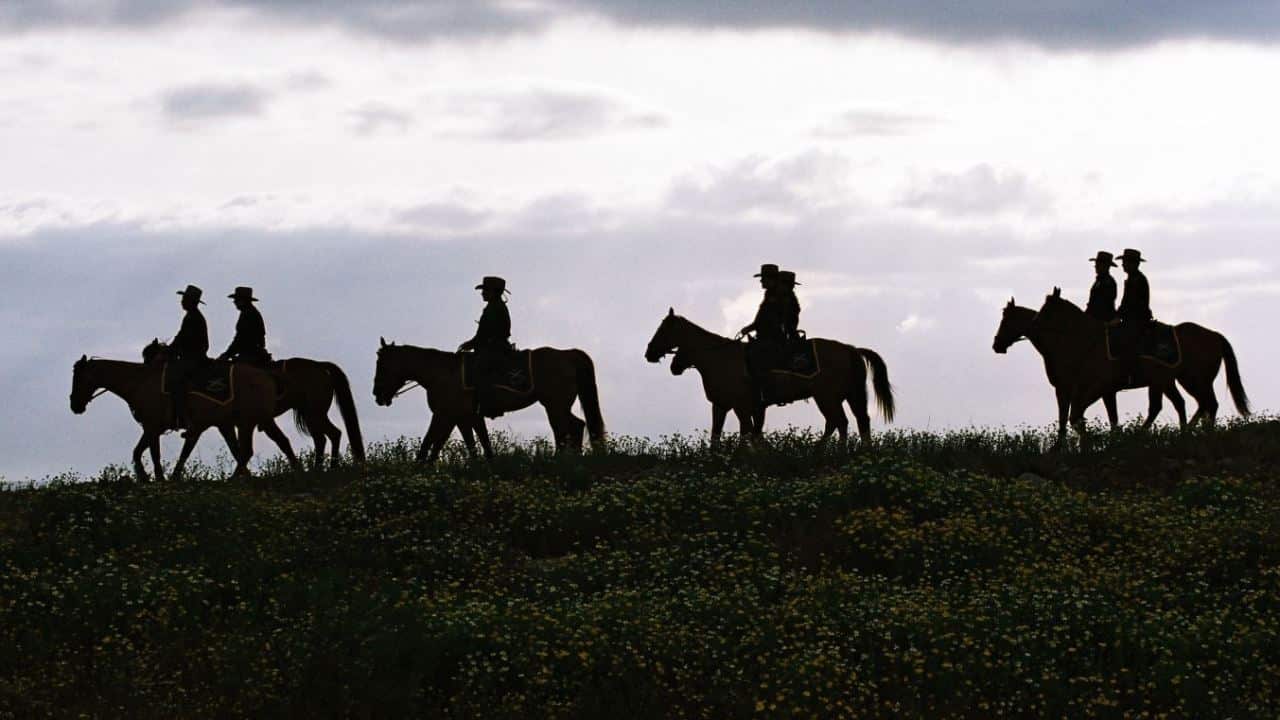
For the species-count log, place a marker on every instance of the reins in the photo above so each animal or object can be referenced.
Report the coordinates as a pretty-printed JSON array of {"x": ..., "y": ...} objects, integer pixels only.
[{"x": 412, "y": 384}]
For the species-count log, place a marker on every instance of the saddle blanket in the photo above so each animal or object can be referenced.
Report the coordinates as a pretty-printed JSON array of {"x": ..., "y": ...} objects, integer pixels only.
[
  {"x": 1159, "y": 342},
  {"x": 514, "y": 373},
  {"x": 801, "y": 359},
  {"x": 213, "y": 382}
]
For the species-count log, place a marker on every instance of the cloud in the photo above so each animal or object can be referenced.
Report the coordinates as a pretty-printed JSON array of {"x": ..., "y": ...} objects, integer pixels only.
[
  {"x": 781, "y": 188},
  {"x": 374, "y": 118},
  {"x": 542, "y": 115},
  {"x": 980, "y": 190},
  {"x": 871, "y": 123},
  {"x": 206, "y": 102},
  {"x": 1061, "y": 24},
  {"x": 443, "y": 216}
]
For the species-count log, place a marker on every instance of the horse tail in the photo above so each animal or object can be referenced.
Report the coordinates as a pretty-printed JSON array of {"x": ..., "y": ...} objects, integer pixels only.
[
  {"x": 880, "y": 382},
  {"x": 346, "y": 406},
  {"x": 589, "y": 394},
  {"x": 1236, "y": 385},
  {"x": 300, "y": 422}
]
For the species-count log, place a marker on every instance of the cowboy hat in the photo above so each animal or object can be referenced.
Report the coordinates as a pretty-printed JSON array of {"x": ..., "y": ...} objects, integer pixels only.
[
  {"x": 1105, "y": 258},
  {"x": 767, "y": 270},
  {"x": 194, "y": 292},
  {"x": 492, "y": 282},
  {"x": 243, "y": 293}
]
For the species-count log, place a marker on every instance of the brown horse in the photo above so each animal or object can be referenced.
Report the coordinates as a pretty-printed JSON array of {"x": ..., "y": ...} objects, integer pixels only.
[
  {"x": 252, "y": 403},
  {"x": 1061, "y": 366},
  {"x": 310, "y": 387},
  {"x": 559, "y": 377},
  {"x": 1203, "y": 353},
  {"x": 722, "y": 363}
]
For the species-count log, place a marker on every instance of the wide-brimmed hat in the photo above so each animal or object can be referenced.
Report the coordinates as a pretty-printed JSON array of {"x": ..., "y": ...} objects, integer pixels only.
[
  {"x": 1104, "y": 257},
  {"x": 493, "y": 282},
  {"x": 194, "y": 292},
  {"x": 1131, "y": 254},
  {"x": 787, "y": 277},
  {"x": 767, "y": 270},
  {"x": 243, "y": 293}
]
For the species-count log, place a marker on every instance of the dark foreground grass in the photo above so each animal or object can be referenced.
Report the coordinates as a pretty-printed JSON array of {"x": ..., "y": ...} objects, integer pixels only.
[{"x": 961, "y": 575}]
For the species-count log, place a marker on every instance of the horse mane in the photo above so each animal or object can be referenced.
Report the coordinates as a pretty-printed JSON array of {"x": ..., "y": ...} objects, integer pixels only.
[{"x": 1061, "y": 300}]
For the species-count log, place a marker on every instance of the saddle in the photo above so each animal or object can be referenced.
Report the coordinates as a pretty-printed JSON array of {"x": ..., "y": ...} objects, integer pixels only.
[
  {"x": 798, "y": 357},
  {"x": 514, "y": 371},
  {"x": 213, "y": 381},
  {"x": 1158, "y": 342}
]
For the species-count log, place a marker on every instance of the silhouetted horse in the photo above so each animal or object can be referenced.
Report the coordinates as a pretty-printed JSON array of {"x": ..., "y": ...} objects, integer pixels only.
[
  {"x": 1203, "y": 353},
  {"x": 310, "y": 387},
  {"x": 251, "y": 403},
  {"x": 722, "y": 363},
  {"x": 558, "y": 376},
  {"x": 1061, "y": 367}
]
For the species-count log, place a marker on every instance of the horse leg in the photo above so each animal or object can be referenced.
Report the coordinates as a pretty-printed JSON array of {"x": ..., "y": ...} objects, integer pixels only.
[
  {"x": 1155, "y": 403},
  {"x": 153, "y": 438},
  {"x": 1179, "y": 405},
  {"x": 143, "y": 443},
  {"x": 858, "y": 400},
  {"x": 277, "y": 435},
  {"x": 482, "y": 432},
  {"x": 746, "y": 425},
  {"x": 468, "y": 439},
  {"x": 718, "y": 414},
  {"x": 318, "y": 438},
  {"x": 192, "y": 436},
  {"x": 1113, "y": 414},
  {"x": 1064, "y": 411},
  {"x": 833, "y": 411},
  {"x": 245, "y": 433},
  {"x": 1206, "y": 401},
  {"x": 323, "y": 427},
  {"x": 437, "y": 432}
]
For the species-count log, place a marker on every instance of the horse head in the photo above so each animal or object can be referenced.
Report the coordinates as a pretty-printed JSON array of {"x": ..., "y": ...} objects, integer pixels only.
[
  {"x": 155, "y": 353},
  {"x": 1057, "y": 311},
  {"x": 390, "y": 374},
  {"x": 1014, "y": 324},
  {"x": 681, "y": 361},
  {"x": 665, "y": 340},
  {"x": 82, "y": 385}
]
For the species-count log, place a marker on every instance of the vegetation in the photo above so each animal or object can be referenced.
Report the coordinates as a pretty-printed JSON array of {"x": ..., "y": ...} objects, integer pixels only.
[{"x": 969, "y": 574}]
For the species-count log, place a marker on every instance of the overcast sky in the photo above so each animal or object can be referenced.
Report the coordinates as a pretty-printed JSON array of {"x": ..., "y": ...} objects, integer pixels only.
[{"x": 361, "y": 163}]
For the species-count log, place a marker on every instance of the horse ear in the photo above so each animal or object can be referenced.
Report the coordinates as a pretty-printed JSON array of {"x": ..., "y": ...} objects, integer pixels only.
[
  {"x": 1057, "y": 291},
  {"x": 1011, "y": 302},
  {"x": 84, "y": 358},
  {"x": 382, "y": 342},
  {"x": 671, "y": 312}
]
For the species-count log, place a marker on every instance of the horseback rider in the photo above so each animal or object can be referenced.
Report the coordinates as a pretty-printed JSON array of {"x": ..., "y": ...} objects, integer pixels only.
[
  {"x": 1134, "y": 311},
  {"x": 769, "y": 326},
  {"x": 1102, "y": 296},
  {"x": 491, "y": 343},
  {"x": 188, "y": 351},
  {"x": 250, "y": 342},
  {"x": 790, "y": 305}
]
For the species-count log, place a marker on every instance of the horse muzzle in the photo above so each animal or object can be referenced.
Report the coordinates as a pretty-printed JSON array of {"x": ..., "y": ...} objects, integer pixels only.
[
  {"x": 999, "y": 347},
  {"x": 78, "y": 407}
]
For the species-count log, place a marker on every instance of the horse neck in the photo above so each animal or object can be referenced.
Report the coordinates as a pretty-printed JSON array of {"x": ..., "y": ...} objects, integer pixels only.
[
  {"x": 425, "y": 364},
  {"x": 1061, "y": 346},
  {"x": 120, "y": 377},
  {"x": 696, "y": 337}
]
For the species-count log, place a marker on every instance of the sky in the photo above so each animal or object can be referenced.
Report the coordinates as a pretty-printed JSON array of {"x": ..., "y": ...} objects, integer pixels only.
[{"x": 361, "y": 164}]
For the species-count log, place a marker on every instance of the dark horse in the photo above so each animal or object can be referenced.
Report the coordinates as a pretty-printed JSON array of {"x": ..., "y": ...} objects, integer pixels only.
[
  {"x": 559, "y": 378},
  {"x": 1061, "y": 366},
  {"x": 1077, "y": 343},
  {"x": 139, "y": 385},
  {"x": 722, "y": 362},
  {"x": 309, "y": 388}
]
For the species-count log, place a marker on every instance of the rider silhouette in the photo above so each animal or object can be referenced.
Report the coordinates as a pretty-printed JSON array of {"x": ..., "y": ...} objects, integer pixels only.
[
  {"x": 1134, "y": 312},
  {"x": 1102, "y": 296},
  {"x": 188, "y": 351},
  {"x": 769, "y": 325},
  {"x": 491, "y": 343},
  {"x": 250, "y": 342},
  {"x": 790, "y": 305}
]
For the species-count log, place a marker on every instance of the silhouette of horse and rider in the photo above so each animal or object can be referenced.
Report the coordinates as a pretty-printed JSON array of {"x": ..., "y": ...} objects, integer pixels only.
[
  {"x": 1094, "y": 353},
  {"x": 777, "y": 365},
  {"x": 487, "y": 377},
  {"x": 1089, "y": 354},
  {"x": 177, "y": 387}
]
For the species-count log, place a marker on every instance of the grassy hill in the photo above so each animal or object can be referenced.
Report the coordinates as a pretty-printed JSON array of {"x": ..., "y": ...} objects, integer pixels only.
[{"x": 961, "y": 575}]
